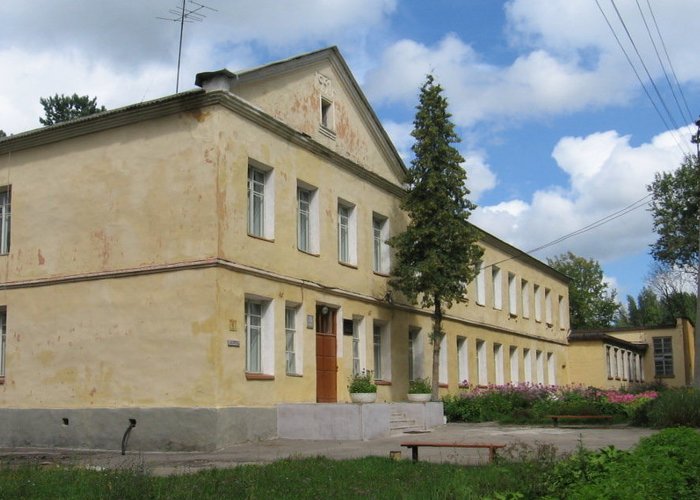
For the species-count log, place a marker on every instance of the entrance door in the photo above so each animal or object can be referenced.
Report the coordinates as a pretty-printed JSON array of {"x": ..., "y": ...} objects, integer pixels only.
[{"x": 326, "y": 362}]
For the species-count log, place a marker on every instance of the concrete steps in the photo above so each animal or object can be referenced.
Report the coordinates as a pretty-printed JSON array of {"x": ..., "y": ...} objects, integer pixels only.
[{"x": 400, "y": 423}]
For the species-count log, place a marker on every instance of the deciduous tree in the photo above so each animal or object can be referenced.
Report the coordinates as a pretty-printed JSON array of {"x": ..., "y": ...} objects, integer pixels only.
[
  {"x": 437, "y": 255},
  {"x": 592, "y": 304},
  {"x": 61, "y": 108}
]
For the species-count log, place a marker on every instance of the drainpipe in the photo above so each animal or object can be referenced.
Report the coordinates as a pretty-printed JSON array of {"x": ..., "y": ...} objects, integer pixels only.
[{"x": 125, "y": 438}]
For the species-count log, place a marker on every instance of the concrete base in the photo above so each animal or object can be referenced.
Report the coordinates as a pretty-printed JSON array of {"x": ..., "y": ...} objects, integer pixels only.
[
  {"x": 351, "y": 421},
  {"x": 204, "y": 429},
  {"x": 157, "y": 429}
]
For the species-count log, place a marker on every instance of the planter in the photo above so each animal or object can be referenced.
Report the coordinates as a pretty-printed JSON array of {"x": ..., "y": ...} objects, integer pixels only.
[
  {"x": 363, "y": 397},
  {"x": 419, "y": 398}
]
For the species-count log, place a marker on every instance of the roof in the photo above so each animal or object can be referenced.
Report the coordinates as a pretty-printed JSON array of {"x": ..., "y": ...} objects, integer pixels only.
[{"x": 607, "y": 339}]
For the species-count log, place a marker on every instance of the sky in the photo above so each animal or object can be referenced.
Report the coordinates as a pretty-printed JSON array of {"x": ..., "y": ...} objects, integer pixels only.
[{"x": 557, "y": 130}]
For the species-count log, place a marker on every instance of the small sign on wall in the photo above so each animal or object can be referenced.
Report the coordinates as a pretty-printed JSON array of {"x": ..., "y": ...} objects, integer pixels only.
[
  {"x": 310, "y": 321},
  {"x": 233, "y": 343}
]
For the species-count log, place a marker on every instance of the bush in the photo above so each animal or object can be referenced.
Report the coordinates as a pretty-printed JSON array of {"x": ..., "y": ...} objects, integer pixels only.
[{"x": 673, "y": 408}]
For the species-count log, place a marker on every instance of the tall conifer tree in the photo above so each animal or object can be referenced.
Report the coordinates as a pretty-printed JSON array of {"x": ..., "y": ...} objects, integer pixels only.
[{"x": 437, "y": 255}]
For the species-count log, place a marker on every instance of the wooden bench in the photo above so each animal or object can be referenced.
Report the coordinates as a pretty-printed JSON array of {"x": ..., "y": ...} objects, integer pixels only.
[
  {"x": 414, "y": 448},
  {"x": 555, "y": 418}
]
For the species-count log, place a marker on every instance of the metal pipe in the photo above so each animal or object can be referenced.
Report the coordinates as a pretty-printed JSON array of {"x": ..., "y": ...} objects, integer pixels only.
[{"x": 125, "y": 438}]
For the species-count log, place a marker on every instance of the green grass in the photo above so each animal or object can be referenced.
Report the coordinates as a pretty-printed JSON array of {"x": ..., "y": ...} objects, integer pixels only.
[{"x": 304, "y": 478}]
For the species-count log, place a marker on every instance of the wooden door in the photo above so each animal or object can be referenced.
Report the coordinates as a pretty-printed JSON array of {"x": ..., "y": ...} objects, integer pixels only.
[{"x": 326, "y": 362}]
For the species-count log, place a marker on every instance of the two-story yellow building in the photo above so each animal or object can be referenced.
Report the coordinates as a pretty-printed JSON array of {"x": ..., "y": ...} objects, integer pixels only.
[{"x": 196, "y": 261}]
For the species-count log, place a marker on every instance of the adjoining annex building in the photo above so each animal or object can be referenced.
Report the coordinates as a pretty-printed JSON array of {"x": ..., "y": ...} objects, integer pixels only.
[{"x": 212, "y": 266}]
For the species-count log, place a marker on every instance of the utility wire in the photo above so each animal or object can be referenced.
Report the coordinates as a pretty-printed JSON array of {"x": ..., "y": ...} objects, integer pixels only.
[
  {"x": 670, "y": 64},
  {"x": 640, "y": 203},
  {"x": 663, "y": 68}
]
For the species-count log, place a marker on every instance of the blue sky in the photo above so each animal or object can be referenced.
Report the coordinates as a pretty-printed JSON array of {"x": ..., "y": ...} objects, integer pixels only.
[{"x": 557, "y": 131}]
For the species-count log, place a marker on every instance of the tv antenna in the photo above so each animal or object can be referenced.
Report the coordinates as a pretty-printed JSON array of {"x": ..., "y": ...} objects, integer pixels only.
[{"x": 185, "y": 14}]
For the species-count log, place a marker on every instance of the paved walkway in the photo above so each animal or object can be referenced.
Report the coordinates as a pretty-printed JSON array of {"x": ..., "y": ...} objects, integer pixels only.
[{"x": 564, "y": 439}]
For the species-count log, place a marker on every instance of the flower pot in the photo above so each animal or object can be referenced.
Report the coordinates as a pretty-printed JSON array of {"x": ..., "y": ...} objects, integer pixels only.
[
  {"x": 419, "y": 398},
  {"x": 363, "y": 397}
]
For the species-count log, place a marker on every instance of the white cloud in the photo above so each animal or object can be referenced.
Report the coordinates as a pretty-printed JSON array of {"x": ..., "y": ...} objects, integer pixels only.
[
  {"x": 606, "y": 174},
  {"x": 400, "y": 135},
  {"x": 480, "y": 177}
]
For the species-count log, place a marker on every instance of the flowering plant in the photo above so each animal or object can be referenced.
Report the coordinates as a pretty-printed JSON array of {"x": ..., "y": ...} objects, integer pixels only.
[{"x": 362, "y": 382}]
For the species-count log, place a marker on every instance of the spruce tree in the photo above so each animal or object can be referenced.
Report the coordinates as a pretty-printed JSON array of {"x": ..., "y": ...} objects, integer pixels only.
[
  {"x": 62, "y": 108},
  {"x": 437, "y": 255}
]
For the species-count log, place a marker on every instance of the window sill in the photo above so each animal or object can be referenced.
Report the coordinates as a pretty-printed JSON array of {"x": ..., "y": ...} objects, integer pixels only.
[
  {"x": 379, "y": 273},
  {"x": 2, "y": 380},
  {"x": 258, "y": 376},
  {"x": 481, "y": 304},
  {"x": 299, "y": 375},
  {"x": 443, "y": 386},
  {"x": 262, "y": 238},
  {"x": 513, "y": 315},
  {"x": 327, "y": 132},
  {"x": 311, "y": 254},
  {"x": 382, "y": 382},
  {"x": 347, "y": 264},
  {"x": 664, "y": 376}
]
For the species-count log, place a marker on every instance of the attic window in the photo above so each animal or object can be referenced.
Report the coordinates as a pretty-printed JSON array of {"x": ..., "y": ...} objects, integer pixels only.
[{"x": 326, "y": 113}]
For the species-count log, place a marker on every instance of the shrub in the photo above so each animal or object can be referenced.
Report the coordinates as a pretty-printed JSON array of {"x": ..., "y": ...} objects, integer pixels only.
[
  {"x": 362, "y": 382},
  {"x": 675, "y": 407},
  {"x": 420, "y": 386}
]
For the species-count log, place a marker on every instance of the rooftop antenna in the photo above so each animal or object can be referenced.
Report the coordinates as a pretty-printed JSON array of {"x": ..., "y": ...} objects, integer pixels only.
[{"x": 185, "y": 14}]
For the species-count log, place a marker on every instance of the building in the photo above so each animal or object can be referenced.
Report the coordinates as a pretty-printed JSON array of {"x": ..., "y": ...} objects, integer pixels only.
[
  {"x": 195, "y": 262},
  {"x": 618, "y": 357}
]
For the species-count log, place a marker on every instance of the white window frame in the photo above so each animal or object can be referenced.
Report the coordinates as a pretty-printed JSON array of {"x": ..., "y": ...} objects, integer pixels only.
[
  {"x": 415, "y": 353},
  {"x": 442, "y": 372},
  {"x": 514, "y": 361},
  {"x": 482, "y": 374},
  {"x": 381, "y": 350},
  {"x": 293, "y": 358},
  {"x": 538, "y": 303},
  {"x": 260, "y": 327},
  {"x": 481, "y": 285},
  {"x": 512, "y": 294},
  {"x": 5, "y": 219},
  {"x": 359, "y": 361},
  {"x": 308, "y": 234},
  {"x": 497, "y": 288},
  {"x": 527, "y": 365},
  {"x": 539, "y": 361},
  {"x": 327, "y": 113},
  {"x": 3, "y": 340},
  {"x": 551, "y": 369},
  {"x": 562, "y": 313},
  {"x": 525, "y": 298},
  {"x": 663, "y": 356},
  {"x": 498, "y": 363},
  {"x": 347, "y": 233},
  {"x": 261, "y": 200},
  {"x": 548, "y": 307},
  {"x": 380, "y": 249},
  {"x": 463, "y": 359}
]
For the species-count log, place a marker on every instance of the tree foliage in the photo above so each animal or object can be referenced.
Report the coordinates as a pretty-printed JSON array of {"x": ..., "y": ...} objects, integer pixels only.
[
  {"x": 674, "y": 207},
  {"x": 61, "y": 108},
  {"x": 437, "y": 255},
  {"x": 592, "y": 304},
  {"x": 2, "y": 133}
]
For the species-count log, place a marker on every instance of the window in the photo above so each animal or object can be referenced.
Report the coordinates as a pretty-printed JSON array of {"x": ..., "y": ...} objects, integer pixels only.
[
  {"x": 663, "y": 357},
  {"x": 527, "y": 361},
  {"x": 442, "y": 375},
  {"x": 327, "y": 113},
  {"x": 551, "y": 369},
  {"x": 356, "y": 369},
  {"x": 347, "y": 233},
  {"x": 382, "y": 354},
  {"x": 498, "y": 361},
  {"x": 462, "y": 360},
  {"x": 562, "y": 313},
  {"x": 548, "y": 306},
  {"x": 497, "y": 292},
  {"x": 539, "y": 359},
  {"x": 538, "y": 303},
  {"x": 481, "y": 374},
  {"x": 260, "y": 203},
  {"x": 3, "y": 322},
  {"x": 481, "y": 285},
  {"x": 525, "y": 297},
  {"x": 380, "y": 249},
  {"x": 415, "y": 354},
  {"x": 5, "y": 216},
  {"x": 514, "y": 365},
  {"x": 512, "y": 294},
  {"x": 608, "y": 361},
  {"x": 259, "y": 328},
  {"x": 291, "y": 340},
  {"x": 307, "y": 219}
]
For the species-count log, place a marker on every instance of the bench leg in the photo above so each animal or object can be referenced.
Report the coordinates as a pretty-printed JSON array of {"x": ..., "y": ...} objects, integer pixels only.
[
  {"x": 414, "y": 453},
  {"x": 556, "y": 422},
  {"x": 492, "y": 454}
]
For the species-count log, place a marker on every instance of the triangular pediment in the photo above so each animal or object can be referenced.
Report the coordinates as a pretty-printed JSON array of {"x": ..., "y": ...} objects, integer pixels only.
[{"x": 317, "y": 95}]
